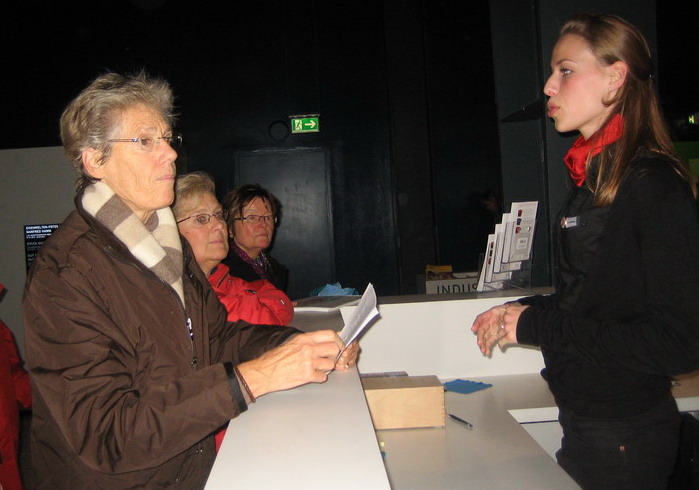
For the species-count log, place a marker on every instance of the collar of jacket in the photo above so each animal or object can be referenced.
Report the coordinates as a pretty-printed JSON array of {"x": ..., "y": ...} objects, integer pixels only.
[{"x": 117, "y": 248}]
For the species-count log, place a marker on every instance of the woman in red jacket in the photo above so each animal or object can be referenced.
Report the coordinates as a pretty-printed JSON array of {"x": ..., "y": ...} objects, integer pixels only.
[
  {"x": 202, "y": 221},
  {"x": 14, "y": 392}
]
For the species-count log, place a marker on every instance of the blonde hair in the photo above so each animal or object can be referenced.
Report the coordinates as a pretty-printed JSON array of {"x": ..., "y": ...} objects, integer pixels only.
[
  {"x": 94, "y": 116},
  {"x": 189, "y": 189},
  {"x": 612, "y": 39}
]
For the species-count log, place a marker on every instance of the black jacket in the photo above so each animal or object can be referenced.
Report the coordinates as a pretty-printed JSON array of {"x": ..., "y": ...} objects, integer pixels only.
[
  {"x": 625, "y": 316},
  {"x": 277, "y": 273}
]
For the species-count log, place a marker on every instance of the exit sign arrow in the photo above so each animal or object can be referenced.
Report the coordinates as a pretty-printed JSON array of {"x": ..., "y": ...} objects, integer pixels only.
[{"x": 305, "y": 124}]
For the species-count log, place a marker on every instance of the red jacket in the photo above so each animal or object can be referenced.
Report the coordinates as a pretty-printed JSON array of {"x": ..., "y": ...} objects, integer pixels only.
[
  {"x": 257, "y": 302},
  {"x": 14, "y": 390}
]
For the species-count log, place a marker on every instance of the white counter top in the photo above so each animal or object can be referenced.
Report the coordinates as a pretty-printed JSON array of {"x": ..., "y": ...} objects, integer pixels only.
[
  {"x": 318, "y": 436},
  {"x": 496, "y": 453},
  {"x": 321, "y": 436}
]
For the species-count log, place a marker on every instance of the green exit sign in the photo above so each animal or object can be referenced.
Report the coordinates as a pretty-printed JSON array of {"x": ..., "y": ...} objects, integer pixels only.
[{"x": 305, "y": 124}]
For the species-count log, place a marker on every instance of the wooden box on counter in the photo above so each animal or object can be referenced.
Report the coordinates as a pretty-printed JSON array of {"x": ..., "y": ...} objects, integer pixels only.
[{"x": 404, "y": 402}]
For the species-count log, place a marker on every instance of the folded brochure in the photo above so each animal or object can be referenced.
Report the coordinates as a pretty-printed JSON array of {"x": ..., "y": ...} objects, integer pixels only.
[{"x": 363, "y": 314}]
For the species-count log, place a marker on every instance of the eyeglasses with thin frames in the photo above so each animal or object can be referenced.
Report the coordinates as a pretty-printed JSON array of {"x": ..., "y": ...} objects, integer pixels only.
[
  {"x": 253, "y": 219},
  {"x": 204, "y": 218},
  {"x": 148, "y": 143}
]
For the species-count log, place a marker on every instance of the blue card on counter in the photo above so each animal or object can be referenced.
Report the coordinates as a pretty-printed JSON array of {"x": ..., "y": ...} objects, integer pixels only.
[{"x": 465, "y": 386}]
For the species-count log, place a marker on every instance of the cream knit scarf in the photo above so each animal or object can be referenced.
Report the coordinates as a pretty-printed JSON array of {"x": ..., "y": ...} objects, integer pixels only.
[{"x": 156, "y": 244}]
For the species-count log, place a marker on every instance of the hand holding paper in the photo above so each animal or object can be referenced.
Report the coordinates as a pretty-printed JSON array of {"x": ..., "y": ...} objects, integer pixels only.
[{"x": 363, "y": 314}]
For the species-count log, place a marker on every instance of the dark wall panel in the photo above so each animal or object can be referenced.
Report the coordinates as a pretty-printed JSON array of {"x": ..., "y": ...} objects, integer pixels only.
[
  {"x": 410, "y": 141},
  {"x": 518, "y": 85},
  {"x": 462, "y": 127},
  {"x": 322, "y": 58},
  {"x": 303, "y": 239}
]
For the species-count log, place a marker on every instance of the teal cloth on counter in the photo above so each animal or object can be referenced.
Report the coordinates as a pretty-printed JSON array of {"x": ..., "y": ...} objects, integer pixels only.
[
  {"x": 334, "y": 290},
  {"x": 465, "y": 386}
]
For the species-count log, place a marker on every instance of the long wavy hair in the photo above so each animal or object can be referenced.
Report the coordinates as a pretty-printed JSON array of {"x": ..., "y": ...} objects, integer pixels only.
[{"x": 645, "y": 132}]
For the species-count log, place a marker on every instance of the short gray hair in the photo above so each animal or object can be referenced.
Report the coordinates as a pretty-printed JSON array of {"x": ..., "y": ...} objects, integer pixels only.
[{"x": 93, "y": 117}]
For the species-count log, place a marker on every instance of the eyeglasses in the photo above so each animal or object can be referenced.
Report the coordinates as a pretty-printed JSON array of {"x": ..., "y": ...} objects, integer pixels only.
[
  {"x": 253, "y": 219},
  {"x": 148, "y": 143},
  {"x": 203, "y": 219}
]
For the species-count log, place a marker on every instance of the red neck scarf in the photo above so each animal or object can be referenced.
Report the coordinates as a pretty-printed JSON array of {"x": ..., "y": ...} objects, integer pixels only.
[{"x": 582, "y": 150}]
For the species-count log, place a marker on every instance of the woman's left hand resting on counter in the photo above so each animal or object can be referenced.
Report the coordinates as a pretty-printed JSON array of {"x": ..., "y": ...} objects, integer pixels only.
[{"x": 497, "y": 325}]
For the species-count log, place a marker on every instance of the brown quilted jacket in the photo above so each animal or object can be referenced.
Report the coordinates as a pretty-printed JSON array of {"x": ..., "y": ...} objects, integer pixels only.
[{"x": 123, "y": 397}]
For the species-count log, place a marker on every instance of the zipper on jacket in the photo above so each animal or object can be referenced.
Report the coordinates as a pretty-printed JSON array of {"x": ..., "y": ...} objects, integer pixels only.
[
  {"x": 188, "y": 321},
  {"x": 194, "y": 361}
]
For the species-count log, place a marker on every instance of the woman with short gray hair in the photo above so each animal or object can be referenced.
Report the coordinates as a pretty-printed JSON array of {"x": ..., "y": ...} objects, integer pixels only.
[{"x": 132, "y": 362}]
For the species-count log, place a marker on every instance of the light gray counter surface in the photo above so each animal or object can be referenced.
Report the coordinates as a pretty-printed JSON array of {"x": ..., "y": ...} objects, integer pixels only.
[
  {"x": 497, "y": 453},
  {"x": 321, "y": 436}
]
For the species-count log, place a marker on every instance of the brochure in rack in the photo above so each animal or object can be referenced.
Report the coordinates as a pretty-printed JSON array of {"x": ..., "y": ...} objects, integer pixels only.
[{"x": 509, "y": 248}]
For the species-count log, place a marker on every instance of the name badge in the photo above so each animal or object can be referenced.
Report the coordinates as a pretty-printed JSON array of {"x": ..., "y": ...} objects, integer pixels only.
[{"x": 569, "y": 222}]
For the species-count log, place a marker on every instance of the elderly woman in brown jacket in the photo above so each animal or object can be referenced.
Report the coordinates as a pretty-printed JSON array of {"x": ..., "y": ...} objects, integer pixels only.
[{"x": 132, "y": 362}]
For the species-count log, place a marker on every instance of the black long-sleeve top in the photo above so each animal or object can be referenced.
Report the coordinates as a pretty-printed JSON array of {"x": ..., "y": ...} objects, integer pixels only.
[{"x": 625, "y": 316}]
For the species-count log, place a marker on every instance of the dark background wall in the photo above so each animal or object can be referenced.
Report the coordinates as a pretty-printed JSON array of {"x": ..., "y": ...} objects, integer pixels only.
[
  {"x": 402, "y": 117},
  {"x": 411, "y": 96}
]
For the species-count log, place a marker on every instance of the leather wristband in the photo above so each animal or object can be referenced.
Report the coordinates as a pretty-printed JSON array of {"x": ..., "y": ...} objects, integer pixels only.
[{"x": 245, "y": 384}]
